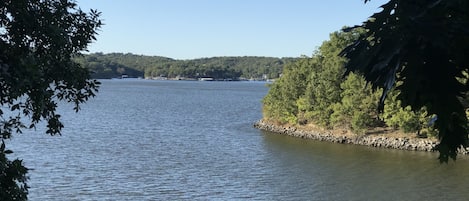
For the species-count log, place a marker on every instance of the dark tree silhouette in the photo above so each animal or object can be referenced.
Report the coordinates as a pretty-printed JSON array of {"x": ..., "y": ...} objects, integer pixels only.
[
  {"x": 424, "y": 44},
  {"x": 38, "y": 39}
]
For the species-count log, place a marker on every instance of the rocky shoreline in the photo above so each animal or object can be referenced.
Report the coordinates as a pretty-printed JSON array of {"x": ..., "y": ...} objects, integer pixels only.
[{"x": 372, "y": 140}]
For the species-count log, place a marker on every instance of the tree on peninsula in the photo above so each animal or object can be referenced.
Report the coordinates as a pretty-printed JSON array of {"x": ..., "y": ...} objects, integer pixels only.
[
  {"x": 424, "y": 44},
  {"x": 38, "y": 40},
  {"x": 314, "y": 91}
]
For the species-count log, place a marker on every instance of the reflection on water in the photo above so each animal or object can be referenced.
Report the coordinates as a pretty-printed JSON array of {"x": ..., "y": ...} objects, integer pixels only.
[{"x": 166, "y": 140}]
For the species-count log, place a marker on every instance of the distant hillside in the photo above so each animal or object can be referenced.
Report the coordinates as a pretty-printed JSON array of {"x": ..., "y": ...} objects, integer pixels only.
[{"x": 115, "y": 64}]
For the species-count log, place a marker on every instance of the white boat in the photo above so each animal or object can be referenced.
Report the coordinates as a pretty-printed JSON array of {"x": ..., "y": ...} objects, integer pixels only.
[{"x": 206, "y": 79}]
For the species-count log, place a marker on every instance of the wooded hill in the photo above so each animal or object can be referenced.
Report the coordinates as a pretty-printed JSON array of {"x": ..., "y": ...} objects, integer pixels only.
[{"x": 247, "y": 67}]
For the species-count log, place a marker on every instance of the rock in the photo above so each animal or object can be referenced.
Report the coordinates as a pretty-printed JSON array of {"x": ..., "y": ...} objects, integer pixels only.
[{"x": 404, "y": 143}]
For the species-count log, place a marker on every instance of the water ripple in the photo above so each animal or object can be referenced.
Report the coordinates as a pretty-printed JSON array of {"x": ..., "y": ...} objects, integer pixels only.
[{"x": 155, "y": 140}]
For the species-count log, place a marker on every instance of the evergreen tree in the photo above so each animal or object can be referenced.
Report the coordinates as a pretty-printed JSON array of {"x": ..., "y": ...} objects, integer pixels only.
[
  {"x": 323, "y": 90},
  {"x": 280, "y": 102},
  {"x": 357, "y": 108}
]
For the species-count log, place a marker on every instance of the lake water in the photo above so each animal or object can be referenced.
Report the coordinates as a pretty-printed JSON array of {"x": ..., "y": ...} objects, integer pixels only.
[{"x": 181, "y": 140}]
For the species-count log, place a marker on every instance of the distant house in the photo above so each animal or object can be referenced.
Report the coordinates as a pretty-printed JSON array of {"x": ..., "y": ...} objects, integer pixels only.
[{"x": 124, "y": 76}]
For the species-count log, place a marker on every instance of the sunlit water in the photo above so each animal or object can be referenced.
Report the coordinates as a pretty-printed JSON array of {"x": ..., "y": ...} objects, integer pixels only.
[{"x": 170, "y": 140}]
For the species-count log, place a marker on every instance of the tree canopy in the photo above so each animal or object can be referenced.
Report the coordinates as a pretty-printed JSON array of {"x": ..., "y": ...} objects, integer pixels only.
[
  {"x": 38, "y": 41},
  {"x": 424, "y": 44}
]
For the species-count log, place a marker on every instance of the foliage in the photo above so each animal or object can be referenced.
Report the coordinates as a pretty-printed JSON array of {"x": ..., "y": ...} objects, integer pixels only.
[
  {"x": 281, "y": 102},
  {"x": 13, "y": 178},
  {"x": 359, "y": 102},
  {"x": 310, "y": 89},
  {"x": 397, "y": 116},
  {"x": 315, "y": 90},
  {"x": 426, "y": 43},
  {"x": 115, "y": 64},
  {"x": 323, "y": 88},
  {"x": 38, "y": 40}
]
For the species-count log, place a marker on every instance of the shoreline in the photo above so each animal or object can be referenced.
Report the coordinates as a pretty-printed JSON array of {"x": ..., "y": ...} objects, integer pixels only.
[{"x": 408, "y": 143}]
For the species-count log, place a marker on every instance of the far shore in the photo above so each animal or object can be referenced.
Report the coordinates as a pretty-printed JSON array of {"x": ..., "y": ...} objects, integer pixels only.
[{"x": 391, "y": 140}]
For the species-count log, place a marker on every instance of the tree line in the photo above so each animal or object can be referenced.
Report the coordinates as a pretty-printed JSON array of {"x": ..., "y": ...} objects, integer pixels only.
[
  {"x": 249, "y": 67},
  {"x": 315, "y": 90}
]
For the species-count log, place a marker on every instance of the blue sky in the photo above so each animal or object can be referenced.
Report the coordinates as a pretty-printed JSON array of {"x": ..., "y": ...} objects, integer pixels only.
[{"x": 188, "y": 29}]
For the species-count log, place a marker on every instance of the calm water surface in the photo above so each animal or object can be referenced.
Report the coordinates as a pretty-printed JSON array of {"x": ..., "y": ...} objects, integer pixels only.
[{"x": 169, "y": 140}]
